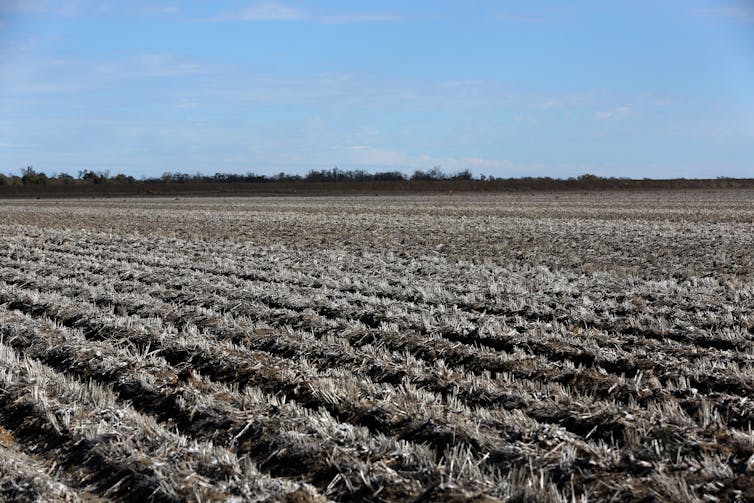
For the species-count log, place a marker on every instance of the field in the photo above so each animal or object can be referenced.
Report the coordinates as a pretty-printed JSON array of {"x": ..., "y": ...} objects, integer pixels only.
[{"x": 523, "y": 347}]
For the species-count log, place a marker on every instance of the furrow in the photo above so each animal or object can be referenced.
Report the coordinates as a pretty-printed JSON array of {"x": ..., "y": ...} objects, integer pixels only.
[
  {"x": 397, "y": 404},
  {"x": 402, "y": 412},
  {"x": 425, "y": 297},
  {"x": 545, "y": 343},
  {"x": 474, "y": 298},
  {"x": 284, "y": 438},
  {"x": 25, "y": 478},
  {"x": 110, "y": 449}
]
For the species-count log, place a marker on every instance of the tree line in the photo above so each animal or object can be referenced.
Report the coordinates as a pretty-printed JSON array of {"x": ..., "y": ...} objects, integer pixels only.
[
  {"x": 30, "y": 176},
  {"x": 33, "y": 182}
]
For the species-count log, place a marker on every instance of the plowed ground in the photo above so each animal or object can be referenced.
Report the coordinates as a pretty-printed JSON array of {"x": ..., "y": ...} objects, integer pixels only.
[{"x": 544, "y": 347}]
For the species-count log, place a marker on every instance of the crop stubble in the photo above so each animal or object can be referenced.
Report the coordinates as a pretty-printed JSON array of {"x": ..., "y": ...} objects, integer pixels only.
[{"x": 536, "y": 346}]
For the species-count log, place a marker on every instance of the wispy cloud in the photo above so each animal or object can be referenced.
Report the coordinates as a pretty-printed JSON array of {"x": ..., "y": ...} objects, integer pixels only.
[
  {"x": 376, "y": 157},
  {"x": 265, "y": 12},
  {"x": 56, "y": 76},
  {"x": 517, "y": 17},
  {"x": 186, "y": 103},
  {"x": 739, "y": 13},
  {"x": 162, "y": 65},
  {"x": 274, "y": 11},
  {"x": 615, "y": 113},
  {"x": 543, "y": 15},
  {"x": 354, "y": 91},
  {"x": 358, "y": 18},
  {"x": 151, "y": 9},
  {"x": 16, "y": 145},
  {"x": 150, "y": 65},
  {"x": 88, "y": 8}
]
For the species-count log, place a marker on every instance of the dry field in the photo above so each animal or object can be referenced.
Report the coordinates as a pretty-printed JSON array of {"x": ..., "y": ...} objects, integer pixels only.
[{"x": 542, "y": 347}]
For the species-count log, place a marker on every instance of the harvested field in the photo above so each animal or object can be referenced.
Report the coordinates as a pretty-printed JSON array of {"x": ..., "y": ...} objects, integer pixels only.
[{"x": 524, "y": 347}]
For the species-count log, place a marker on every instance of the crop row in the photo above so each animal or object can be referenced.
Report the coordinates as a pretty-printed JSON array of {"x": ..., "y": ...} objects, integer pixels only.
[
  {"x": 657, "y": 310},
  {"x": 107, "y": 447},
  {"x": 646, "y": 239},
  {"x": 553, "y": 340},
  {"x": 612, "y": 358},
  {"x": 411, "y": 403}
]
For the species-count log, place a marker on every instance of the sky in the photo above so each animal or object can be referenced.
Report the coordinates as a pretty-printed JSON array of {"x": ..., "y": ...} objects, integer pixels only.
[{"x": 658, "y": 89}]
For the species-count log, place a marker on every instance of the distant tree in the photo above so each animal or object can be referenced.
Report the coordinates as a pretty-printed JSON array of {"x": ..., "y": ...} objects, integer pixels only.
[
  {"x": 6, "y": 180},
  {"x": 64, "y": 179},
  {"x": 282, "y": 177},
  {"x": 433, "y": 174},
  {"x": 314, "y": 175},
  {"x": 389, "y": 176},
  {"x": 588, "y": 177},
  {"x": 121, "y": 178},
  {"x": 31, "y": 177},
  {"x": 463, "y": 175},
  {"x": 253, "y": 177},
  {"x": 95, "y": 177},
  {"x": 436, "y": 174},
  {"x": 181, "y": 177}
]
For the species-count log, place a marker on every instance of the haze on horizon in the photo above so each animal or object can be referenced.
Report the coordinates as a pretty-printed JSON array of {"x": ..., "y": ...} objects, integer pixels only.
[{"x": 537, "y": 88}]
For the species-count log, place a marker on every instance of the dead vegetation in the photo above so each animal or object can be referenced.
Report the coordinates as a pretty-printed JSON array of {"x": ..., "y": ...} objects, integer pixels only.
[{"x": 582, "y": 347}]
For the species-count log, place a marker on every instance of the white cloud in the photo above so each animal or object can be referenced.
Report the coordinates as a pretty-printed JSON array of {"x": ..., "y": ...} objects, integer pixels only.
[
  {"x": 514, "y": 17},
  {"x": 48, "y": 76},
  {"x": 358, "y": 18},
  {"x": 16, "y": 145},
  {"x": 528, "y": 13},
  {"x": 150, "y": 9},
  {"x": 146, "y": 66},
  {"x": 35, "y": 7},
  {"x": 88, "y": 7},
  {"x": 274, "y": 11},
  {"x": 185, "y": 103},
  {"x": 616, "y": 113},
  {"x": 267, "y": 12},
  {"x": 164, "y": 65},
  {"x": 258, "y": 11},
  {"x": 739, "y": 13}
]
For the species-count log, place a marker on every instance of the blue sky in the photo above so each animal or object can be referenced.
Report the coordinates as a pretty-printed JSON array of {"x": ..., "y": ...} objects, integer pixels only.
[{"x": 540, "y": 88}]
